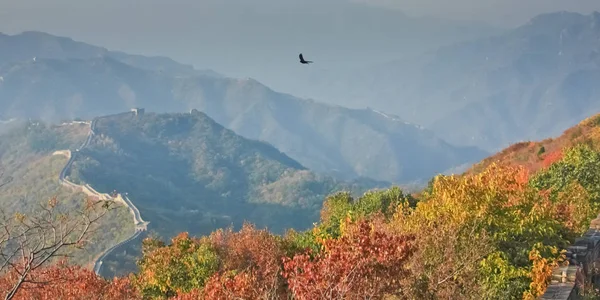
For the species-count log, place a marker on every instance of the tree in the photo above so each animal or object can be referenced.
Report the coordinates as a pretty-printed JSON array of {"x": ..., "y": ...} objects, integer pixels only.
[
  {"x": 60, "y": 281},
  {"x": 340, "y": 206},
  {"x": 251, "y": 265},
  {"x": 28, "y": 243},
  {"x": 367, "y": 262},
  {"x": 481, "y": 228},
  {"x": 185, "y": 265}
]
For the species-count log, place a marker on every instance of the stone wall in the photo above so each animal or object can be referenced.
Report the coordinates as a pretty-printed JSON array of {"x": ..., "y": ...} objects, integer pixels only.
[
  {"x": 140, "y": 224},
  {"x": 583, "y": 257}
]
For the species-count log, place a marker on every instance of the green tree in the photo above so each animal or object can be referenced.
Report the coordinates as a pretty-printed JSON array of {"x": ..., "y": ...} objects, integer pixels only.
[{"x": 184, "y": 265}]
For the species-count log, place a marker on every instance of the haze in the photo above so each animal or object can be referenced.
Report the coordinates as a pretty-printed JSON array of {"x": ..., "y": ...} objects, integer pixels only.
[
  {"x": 505, "y": 13},
  {"x": 261, "y": 38}
]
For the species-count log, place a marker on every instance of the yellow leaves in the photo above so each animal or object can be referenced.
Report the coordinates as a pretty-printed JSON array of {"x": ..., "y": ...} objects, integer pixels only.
[
  {"x": 541, "y": 272},
  {"x": 52, "y": 202},
  {"x": 320, "y": 236},
  {"x": 344, "y": 225},
  {"x": 20, "y": 217},
  {"x": 499, "y": 202},
  {"x": 462, "y": 199}
]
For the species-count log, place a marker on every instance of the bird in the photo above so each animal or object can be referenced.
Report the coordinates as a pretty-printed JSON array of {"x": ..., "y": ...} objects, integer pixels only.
[{"x": 302, "y": 61}]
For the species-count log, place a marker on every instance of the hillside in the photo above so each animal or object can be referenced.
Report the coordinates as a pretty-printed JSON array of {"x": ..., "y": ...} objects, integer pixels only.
[
  {"x": 26, "y": 156},
  {"x": 330, "y": 139},
  {"x": 510, "y": 219},
  {"x": 527, "y": 83},
  {"x": 188, "y": 168},
  {"x": 540, "y": 154},
  {"x": 185, "y": 172},
  {"x": 327, "y": 139}
]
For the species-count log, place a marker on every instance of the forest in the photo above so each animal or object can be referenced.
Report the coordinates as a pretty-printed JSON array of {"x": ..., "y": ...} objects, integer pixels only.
[{"x": 492, "y": 233}]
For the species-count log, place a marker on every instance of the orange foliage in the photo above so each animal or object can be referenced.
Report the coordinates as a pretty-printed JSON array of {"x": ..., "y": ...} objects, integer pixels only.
[
  {"x": 193, "y": 295},
  {"x": 68, "y": 282},
  {"x": 245, "y": 285},
  {"x": 551, "y": 158},
  {"x": 541, "y": 274},
  {"x": 365, "y": 263},
  {"x": 510, "y": 181},
  {"x": 251, "y": 266}
]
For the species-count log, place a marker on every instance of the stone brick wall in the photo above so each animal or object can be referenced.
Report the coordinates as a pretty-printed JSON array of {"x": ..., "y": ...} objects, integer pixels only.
[{"x": 583, "y": 257}]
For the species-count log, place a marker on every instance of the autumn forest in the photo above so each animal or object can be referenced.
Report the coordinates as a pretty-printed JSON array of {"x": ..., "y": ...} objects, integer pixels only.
[{"x": 495, "y": 232}]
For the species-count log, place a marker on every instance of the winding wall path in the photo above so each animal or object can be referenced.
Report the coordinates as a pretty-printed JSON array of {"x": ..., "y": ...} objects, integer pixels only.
[{"x": 140, "y": 224}]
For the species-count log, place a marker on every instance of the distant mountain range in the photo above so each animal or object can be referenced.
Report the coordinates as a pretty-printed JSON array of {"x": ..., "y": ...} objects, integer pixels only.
[
  {"x": 30, "y": 45},
  {"x": 328, "y": 139},
  {"x": 527, "y": 83}
]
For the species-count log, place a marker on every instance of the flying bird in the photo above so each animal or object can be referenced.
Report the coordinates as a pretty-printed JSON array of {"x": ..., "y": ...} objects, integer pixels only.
[{"x": 302, "y": 61}]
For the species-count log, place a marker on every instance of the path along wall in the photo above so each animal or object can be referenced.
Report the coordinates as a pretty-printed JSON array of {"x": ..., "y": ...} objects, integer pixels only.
[{"x": 582, "y": 271}]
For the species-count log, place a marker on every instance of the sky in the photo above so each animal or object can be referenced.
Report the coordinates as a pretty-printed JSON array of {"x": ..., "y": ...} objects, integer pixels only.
[
  {"x": 262, "y": 38},
  {"x": 497, "y": 12},
  {"x": 507, "y": 13}
]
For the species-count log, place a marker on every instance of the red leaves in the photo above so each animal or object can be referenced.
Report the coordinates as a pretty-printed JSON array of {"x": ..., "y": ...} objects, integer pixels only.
[
  {"x": 245, "y": 285},
  {"x": 68, "y": 282},
  {"x": 551, "y": 158},
  {"x": 367, "y": 263},
  {"x": 250, "y": 265}
]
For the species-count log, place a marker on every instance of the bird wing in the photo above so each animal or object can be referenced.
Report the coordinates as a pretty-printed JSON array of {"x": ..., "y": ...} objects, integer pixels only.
[{"x": 301, "y": 57}]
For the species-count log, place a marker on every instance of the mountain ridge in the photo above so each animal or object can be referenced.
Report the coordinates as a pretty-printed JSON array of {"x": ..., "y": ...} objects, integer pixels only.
[
  {"x": 36, "y": 44},
  {"x": 492, "y": 91},
  {"x": 178, "y": 154},
  {"x": 321, "y": 137}
]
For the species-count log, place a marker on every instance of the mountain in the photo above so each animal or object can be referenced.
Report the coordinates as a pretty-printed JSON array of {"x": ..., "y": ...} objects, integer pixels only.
[
  {"x": 527, "y": 83},
  {"x": 349, "y": 143},
  {"x": 332, "y": 139},
  {"x": 259, "y": 39},
  {"x": 32, "y": 45},
  {"x": 27, "y": 157},
  {"x": 185, "y": 172}
]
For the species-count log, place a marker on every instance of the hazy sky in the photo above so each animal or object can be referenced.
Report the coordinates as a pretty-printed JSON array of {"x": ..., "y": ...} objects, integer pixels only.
[
  {"x": 498, "y": 12},
  {"x": 261, "y": 38}
]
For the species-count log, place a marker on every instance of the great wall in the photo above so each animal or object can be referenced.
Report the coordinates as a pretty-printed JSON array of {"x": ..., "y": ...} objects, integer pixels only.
[
  {"x": 140, "y": 224},
  {"x": 582, "y": 269}
]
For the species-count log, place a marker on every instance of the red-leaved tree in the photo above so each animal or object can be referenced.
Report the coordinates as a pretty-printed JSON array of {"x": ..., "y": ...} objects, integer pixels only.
[
  {"x": 67, "y": 282},
  {"x": 251, "y": 266},
  {"x": 365, "y": 263}
]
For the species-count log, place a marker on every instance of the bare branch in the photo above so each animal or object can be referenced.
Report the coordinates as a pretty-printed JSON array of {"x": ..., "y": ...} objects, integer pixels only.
[{"x": 29, "y": 242}]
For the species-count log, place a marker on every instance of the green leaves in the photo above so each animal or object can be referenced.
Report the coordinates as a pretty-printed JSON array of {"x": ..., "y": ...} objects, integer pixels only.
[
  {"x": 181, "y": 267},
  {"x": 580, "y": 164}
]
